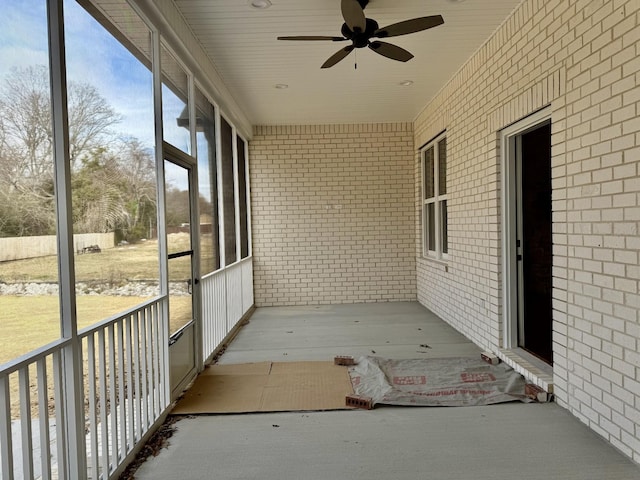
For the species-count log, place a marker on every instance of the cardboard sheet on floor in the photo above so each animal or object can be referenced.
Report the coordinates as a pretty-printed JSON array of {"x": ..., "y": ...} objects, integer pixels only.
[
  {"x": 267, "y": 387},
  {"x": 460, "y": 381}
]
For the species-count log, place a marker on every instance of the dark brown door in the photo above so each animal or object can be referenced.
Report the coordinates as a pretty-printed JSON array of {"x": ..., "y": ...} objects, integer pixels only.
[{"x": 536, "y": 243}]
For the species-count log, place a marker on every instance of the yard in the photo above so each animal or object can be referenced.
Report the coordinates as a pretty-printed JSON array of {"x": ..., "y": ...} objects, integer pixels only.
[
  {"x": 107, "y": 283},
  {"x": 129, "y": 262}
]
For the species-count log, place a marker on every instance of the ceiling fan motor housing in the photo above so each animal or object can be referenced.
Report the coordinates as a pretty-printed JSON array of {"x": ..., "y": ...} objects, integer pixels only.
[{"x": 360, "y": 39}]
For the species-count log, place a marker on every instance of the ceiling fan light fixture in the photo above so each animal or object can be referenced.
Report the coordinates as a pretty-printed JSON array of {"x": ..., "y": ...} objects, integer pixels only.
[
  {"x": 260, "y": 4},
  {"x": 406, "y": 83}
]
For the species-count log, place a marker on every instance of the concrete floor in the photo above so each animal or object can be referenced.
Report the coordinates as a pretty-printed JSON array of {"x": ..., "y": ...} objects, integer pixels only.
[{"x": 507, "y": 441}]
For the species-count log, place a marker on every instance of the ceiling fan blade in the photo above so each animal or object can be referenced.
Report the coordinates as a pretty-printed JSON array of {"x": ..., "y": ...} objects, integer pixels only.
[
  {"x": 312, "y": 37},
  {"x": 409, "y": 26},
  {"x": 353, "y": 15},
  {"x": 336, "y": 57},
  {"x": 391, "y": 51}
]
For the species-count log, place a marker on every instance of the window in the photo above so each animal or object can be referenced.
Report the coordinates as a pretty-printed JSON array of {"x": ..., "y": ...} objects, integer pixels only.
[
  {"x": 113, "y": 170},
  {"x": 175, "y": 108},
  {"x": 29, "y": 303},
  {"x": 208, "y": 184},
  {"x": 434, "y": 198},
  {"x": 242, "y": 198},
  {"x": 228, "y": 192}
]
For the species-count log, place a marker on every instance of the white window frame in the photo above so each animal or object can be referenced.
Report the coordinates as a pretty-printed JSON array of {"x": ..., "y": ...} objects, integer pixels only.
[{"x": 433, "y": 251}]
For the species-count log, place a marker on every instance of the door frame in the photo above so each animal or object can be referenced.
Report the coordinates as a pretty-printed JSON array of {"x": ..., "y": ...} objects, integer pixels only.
[
  {"x": 509, "y": 203},
  {"x": 186, "y": 161}
]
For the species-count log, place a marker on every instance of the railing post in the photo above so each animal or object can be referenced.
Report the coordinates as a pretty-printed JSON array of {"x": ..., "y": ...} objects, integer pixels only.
[
  {"x": 72, "y": 392},
  {"x": 6, "y": 441}
]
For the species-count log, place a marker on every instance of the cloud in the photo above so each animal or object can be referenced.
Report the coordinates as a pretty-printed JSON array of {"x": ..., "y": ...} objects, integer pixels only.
[
  {"x": 23, "y": 35},
  {"x": 94, "y": 56},
  {"x": 20, "y": 57}
]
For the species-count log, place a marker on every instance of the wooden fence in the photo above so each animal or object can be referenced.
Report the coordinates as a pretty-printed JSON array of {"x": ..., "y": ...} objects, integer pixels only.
[{"x": 18, "y": 248}]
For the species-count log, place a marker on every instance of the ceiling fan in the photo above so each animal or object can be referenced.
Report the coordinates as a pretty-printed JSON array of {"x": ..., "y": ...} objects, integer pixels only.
[{"x": 360, "y": 30}]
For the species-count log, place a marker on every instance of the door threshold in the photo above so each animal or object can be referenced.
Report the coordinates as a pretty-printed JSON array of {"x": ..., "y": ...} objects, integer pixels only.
[{"x": 529, "y": 366}]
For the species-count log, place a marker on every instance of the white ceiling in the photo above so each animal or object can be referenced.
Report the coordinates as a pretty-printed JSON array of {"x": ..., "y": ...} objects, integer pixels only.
[{"x": 241, "y": 42}]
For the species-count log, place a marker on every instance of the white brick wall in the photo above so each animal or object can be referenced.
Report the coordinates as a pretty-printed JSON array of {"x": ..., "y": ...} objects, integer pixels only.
[
  {"x": 583, "y": 58},
  {"x": 332, "y": 211}
]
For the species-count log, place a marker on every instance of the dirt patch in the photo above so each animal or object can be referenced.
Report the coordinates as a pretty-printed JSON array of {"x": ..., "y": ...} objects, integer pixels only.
[{"x": 158, "y": 441}]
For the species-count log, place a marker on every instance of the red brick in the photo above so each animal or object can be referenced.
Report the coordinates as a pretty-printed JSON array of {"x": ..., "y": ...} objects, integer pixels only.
[{"x": 358, "y": 401}]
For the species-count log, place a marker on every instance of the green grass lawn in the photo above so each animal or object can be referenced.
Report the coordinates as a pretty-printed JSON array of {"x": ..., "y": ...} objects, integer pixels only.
[{"x": 31, "y": 322}]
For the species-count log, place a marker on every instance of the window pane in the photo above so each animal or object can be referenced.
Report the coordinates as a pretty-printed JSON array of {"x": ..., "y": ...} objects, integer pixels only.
[
  {"x": 228, "y": 192},
  {"x": 112, "y": 149},
  {"x": 242, "y": 199},
  {"x": 178, "y": 215},
  {"x": 208, "y": 185},
  {"x": 28, "y": 247},
  {"x": 442, "y": 167},
  {"x": 180, "y": 303},
  {"x": 429, "y": 190},
  {"x": 431, "y": 227},
  {"x": 175, "y": 113},
  {"x": 178, "y": 208},
  {"x": 444, "y": 232}
]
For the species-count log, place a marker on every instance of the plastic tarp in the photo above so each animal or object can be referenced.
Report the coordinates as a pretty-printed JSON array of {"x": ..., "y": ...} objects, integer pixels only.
[{"x": 458, "y": 381}]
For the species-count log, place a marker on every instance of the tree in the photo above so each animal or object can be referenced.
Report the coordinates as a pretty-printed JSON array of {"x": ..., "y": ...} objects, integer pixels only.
[
  {"x": 90, "y": 120},
  {"x": 98, "y": 202},
  {"x": 114, "y": 189},
  {"x": 25, "y": 110},
  {"x": 113, "y": 179},
  {"x": 178, "y": 211},
  {"x": 137, "y": 164}
]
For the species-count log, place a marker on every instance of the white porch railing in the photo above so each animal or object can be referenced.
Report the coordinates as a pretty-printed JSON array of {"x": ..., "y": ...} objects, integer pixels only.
[
  {"x": 125, "y": 377},
  {"x": 26, "y": 446},
  {"x": 214, "y": 311},
  {"x": 226, "y": 296},
  {"x": 126, "y": 384},
  {"x": 125, "y": 371}
]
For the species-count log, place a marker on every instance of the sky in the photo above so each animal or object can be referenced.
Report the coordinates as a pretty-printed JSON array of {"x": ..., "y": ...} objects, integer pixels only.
[
  {"x": 93, "y": 56},
  {"x": 23, "y": 34}
]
